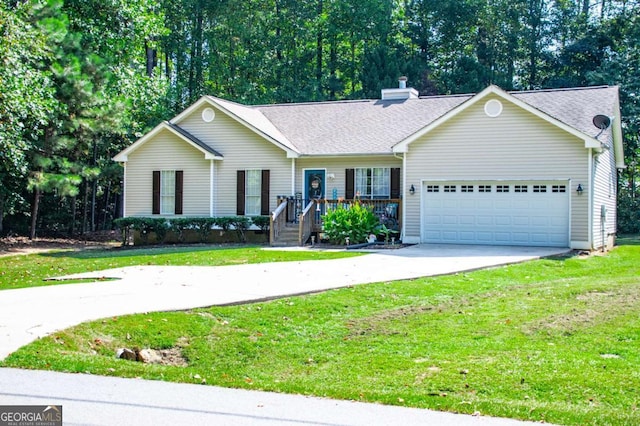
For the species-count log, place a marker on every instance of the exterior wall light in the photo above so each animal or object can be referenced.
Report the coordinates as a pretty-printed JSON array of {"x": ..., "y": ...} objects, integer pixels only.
[
  {"x": 412, "y": 190},
  {"x": 579, "y": 189}
]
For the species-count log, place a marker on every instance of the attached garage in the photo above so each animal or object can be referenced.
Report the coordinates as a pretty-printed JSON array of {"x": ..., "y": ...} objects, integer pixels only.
[{"x": 523, "y": 213}]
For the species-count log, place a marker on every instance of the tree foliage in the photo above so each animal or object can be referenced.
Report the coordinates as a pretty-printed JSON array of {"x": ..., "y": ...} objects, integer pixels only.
[{"x": 82, "y": 79}]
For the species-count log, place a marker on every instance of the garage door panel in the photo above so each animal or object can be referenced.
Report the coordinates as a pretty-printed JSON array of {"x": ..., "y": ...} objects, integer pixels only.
[
  {"x": 450, "y": 220},
  {"x": 521, "y": 220},
  {"x": 503, "y": 220},
  {"x": 467, "y": 220},
  {"x": 484, "y": 237},
  {"x": 491, "y": 217},
  {"x": 467, "y": 237},
  {"x": 450, "y": 235},
  {"x": 521, "y": 237},
  {"x": 484, "y": 220}
]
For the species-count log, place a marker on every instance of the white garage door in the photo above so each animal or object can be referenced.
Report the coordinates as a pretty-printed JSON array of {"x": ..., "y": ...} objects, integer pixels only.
[{"x": 531, "y": 213}]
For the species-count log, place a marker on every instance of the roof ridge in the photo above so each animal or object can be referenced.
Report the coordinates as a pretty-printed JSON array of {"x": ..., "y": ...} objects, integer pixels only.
[
  {"x": 342, "y": 101},
  {"x": 560, "y": 89}
]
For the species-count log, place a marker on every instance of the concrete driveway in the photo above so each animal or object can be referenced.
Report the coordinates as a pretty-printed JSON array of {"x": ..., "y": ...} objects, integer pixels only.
[
  {"x": 27, "y": 314},
  {"x": 30, "y": 313}
]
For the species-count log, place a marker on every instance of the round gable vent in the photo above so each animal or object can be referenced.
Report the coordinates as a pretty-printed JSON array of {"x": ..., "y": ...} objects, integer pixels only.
[
  {"x": 208, "y": 114},
  {"x": 493, "y": 108}
]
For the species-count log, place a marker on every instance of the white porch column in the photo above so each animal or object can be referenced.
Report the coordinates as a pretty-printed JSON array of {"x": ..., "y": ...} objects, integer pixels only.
[
  {"x": 293, "y": 176},
  {"x": 124, "y": 190},
  {"x": 212, "y": 192}
]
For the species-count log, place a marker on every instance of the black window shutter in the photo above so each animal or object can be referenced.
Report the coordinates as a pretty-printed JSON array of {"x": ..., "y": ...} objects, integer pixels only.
[
  {"x": 264, "y": 193},
  {"x": 349, "y": 188},
  {"x": 240, "y": 193},
  {"x": 156, "y": 192},
  {"x": 395, "y": 183},
  {"x": 179, "y": 183}
]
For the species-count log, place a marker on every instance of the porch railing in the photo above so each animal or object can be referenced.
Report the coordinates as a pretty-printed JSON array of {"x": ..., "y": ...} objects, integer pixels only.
[
  {"x": 389, "y": 211},
  {"x": 307, "y": 223},
  {"x": 277, "y": 221},
  {"x": 308, "y": 214}
]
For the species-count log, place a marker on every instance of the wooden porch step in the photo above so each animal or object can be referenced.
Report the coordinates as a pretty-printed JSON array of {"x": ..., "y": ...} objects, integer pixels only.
[{"x": 288, "y": 236}]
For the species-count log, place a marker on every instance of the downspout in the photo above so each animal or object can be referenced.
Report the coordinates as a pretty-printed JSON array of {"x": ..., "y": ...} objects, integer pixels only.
[
  {"x": 404, "y": 201},
  {"x": 211, "y": 188},
  {"x": 124, "y": 190},
  {"x": 592, "y": 160},
  {"x": 293, "y": 176}
]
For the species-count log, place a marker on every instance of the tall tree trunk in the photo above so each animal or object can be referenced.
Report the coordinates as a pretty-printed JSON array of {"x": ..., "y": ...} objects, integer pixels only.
[
  {"x": 85, "y": 206},
  {"x": 34, "y": 213},
  {"x": 94, "y": 188},
  {"x": 106, "y": 206},
  {"x": 319, "y": 45},
  {"x": 72, "y": 225},
  {"x": 151, "y": 58},
  {"x": 2, "y": 197}
]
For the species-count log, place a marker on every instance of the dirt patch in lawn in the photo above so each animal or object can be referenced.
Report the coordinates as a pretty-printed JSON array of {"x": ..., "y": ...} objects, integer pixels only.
[
  {"x": 592, "y": 307},
  {"x": 15, "y": 245}
]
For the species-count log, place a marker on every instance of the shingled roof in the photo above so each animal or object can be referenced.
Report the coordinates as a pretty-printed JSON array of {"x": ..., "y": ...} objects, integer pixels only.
[
  {"x": 356, "y": 127},
  {"x": 375, "y": 126},
  {"x": 574, "y": 107}
]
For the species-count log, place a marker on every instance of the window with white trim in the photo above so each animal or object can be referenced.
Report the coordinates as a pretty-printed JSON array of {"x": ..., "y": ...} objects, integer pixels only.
[
  {"x": 167, "y": 191},
  {"x": 373, "y": 183},
  {"x": 252, "y": 187}
]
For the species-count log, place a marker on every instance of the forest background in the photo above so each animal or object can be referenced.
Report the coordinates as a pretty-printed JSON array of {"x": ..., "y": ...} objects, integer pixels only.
[{"x": 82, "y": 79}]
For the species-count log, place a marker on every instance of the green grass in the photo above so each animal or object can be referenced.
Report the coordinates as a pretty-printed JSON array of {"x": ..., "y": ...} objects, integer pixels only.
[
  {"x": 32, "y": 270},
  {"x": 555, "y": 340}
]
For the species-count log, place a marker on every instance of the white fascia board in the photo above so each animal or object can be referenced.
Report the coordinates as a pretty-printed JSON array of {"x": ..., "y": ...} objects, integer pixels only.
[
  {"x": 618, "y": 148},
  {"x": 589, "y": 141}
]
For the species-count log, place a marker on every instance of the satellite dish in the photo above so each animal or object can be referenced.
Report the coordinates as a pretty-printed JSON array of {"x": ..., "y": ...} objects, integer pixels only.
[{"x": 602, "y": 122}]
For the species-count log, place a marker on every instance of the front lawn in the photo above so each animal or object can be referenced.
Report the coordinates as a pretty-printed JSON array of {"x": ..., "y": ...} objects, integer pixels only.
[
  {"x": 32, "y": 270},
  {"x": 556, "y": 340}
]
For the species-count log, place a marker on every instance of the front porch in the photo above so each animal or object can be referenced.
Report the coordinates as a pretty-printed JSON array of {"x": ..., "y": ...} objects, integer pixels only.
[{"x": 305, "y": 217}]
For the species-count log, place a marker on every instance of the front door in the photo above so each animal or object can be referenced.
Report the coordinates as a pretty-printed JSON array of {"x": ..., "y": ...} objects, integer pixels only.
[
  {"x": 314, "y": 184},
  {"x": 314, "y": 187}
]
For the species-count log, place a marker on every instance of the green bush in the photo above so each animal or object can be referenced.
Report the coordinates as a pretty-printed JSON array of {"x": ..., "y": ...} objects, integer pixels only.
[
  {"x": 179, "y": 225},
  {"x": 356, "y": 222},
  {"x": 262, "y": 222},
  {"x": 145, "y": 226},
  {"x": 202, "y": 225}
]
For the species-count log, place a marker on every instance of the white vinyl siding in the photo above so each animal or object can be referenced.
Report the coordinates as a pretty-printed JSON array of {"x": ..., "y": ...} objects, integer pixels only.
[
  {"x": 242, "y": 149},
  {"x": 167, "y": 191},
  {"x": 252, "y": 185},
  {"x": 604, "y": 226},
  {"x": 516, "y": 146},
  {"x": 167, "y": 152}
]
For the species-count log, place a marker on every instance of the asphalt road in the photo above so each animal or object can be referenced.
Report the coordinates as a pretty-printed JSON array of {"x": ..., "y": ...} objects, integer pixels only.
[{"x": 96, "y": 400}]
